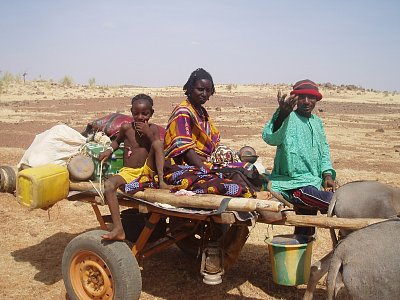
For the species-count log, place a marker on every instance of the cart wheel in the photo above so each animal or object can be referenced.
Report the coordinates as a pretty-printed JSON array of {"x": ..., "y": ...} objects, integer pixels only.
[{"x": 96, "y": 269}]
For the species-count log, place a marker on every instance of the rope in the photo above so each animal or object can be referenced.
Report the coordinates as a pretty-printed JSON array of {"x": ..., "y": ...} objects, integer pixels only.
[
  {"x": 99, "y": 190},
  {"x": 102, "y": 140},
  {"x": 101, "y": 173},
  {"x": 269, "y": 236}
]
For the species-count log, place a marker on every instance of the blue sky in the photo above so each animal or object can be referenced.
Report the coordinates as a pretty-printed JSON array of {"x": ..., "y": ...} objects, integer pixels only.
[{"x": 159, "y": 43}]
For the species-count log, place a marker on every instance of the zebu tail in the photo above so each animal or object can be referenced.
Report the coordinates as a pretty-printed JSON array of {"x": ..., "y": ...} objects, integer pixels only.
[{"x": 331, "y": 213}]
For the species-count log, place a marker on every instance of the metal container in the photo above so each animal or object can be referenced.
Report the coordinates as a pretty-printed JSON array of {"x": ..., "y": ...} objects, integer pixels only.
[{"x": 8, "y": 178}]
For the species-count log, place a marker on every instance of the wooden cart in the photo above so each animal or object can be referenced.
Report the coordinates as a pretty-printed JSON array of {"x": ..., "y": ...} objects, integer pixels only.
[{"x": 97, "y": 269}]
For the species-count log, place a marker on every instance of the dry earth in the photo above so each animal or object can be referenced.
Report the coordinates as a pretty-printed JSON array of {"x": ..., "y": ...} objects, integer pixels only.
[{"x": 362, "y": 128}]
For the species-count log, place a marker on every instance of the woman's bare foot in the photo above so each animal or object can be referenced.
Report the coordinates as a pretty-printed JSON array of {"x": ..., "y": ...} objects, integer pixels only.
[
  {"x": 165, "y": 186},
  {"x": 117, "y": 234}
]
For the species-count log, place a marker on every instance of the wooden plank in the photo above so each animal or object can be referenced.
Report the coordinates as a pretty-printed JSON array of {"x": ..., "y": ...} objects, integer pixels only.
[
  {"x": 326, "y": 222},
  {"x": 204, "y": 201},
  {"x": 289, "y": 218},
  {"x": 99, "y": 217},
  {"x": 146, "y": 233}
]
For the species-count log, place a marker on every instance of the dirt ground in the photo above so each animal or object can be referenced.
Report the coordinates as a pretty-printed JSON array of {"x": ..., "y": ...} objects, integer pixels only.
[{"x": 362, "y": 129}]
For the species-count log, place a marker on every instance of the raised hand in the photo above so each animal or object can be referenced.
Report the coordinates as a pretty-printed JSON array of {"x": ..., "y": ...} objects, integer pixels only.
[{"x": 286, "y": 106}]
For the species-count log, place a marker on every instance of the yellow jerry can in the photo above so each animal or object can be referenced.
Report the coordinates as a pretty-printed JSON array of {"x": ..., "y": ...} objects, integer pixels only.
[{"x": 43, "y": 186}]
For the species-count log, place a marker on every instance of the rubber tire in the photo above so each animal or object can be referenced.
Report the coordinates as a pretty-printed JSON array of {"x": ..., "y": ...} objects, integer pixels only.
[{"x": 112, "y": 257}]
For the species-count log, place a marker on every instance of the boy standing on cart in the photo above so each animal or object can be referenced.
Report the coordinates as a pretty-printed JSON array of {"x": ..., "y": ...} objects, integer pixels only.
[{"x": 143, "y": 158}]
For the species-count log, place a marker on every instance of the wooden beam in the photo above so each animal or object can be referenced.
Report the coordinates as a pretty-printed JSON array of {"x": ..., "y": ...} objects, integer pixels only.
[
  {"x": 326, "y": 222},
  {"x": 201, "y": 201}
]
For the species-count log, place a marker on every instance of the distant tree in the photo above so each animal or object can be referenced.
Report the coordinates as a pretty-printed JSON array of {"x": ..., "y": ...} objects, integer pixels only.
[
  {"x": 230, "y": 87},
  {"x": 18, "y": 78},
  {"x": 7, "y": 78},
  {"x": 67, "y": 81},
  {"x": 328, "y": 85},
  {"x": 92, "y": 82}
]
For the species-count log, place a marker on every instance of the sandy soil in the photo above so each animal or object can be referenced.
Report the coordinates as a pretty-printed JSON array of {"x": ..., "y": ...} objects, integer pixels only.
[{"x": 362, "y": 128}]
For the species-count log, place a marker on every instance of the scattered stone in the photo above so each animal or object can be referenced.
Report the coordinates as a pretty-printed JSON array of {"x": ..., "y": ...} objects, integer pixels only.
[
  {"x": 33, "y": 233},
  {"x": 380, "y": 130}
]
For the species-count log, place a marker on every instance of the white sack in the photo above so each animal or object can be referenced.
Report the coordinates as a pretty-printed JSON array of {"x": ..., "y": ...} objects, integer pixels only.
[{"x": 55, "y": 146}]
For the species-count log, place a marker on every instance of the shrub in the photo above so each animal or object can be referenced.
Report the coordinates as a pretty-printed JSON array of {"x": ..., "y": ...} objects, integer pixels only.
[
  {"x": 18, "y": 78},
  {"x": 67, "y": 81},
  {"x": 7, "y": 78},
  {"x": 92, "y": 82},
  {"x": 229, "y": 87}
]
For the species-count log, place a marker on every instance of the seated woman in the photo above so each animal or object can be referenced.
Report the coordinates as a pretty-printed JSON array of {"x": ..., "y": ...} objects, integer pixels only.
[{"x": 190, "y": 141}]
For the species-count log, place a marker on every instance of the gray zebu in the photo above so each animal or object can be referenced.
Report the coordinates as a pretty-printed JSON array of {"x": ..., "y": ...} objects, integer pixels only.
[
  {"x": 368, "y": 261},
  {"x": 358, "y": 199}
]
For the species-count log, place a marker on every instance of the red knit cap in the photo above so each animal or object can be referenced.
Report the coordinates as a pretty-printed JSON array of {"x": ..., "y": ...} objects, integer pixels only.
[{"x": 306, "y": 87}]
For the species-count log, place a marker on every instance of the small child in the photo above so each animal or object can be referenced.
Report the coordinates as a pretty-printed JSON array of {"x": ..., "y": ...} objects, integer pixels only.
[
  {"x": 248, "y": 154},
  {"x": 143, "y": 153}
]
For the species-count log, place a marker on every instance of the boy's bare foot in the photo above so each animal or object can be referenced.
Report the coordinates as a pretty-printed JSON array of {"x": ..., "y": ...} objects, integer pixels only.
[
  {"x": 117, "y": 234},
  {"x": 165, "y": 186}
]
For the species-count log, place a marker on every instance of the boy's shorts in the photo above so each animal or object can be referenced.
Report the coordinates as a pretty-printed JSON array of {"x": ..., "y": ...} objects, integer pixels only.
[{"x": 130, "y": 174}]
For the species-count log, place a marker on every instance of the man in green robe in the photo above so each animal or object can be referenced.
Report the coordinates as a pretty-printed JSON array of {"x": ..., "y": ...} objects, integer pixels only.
[{"x": 302, "y": 164}]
